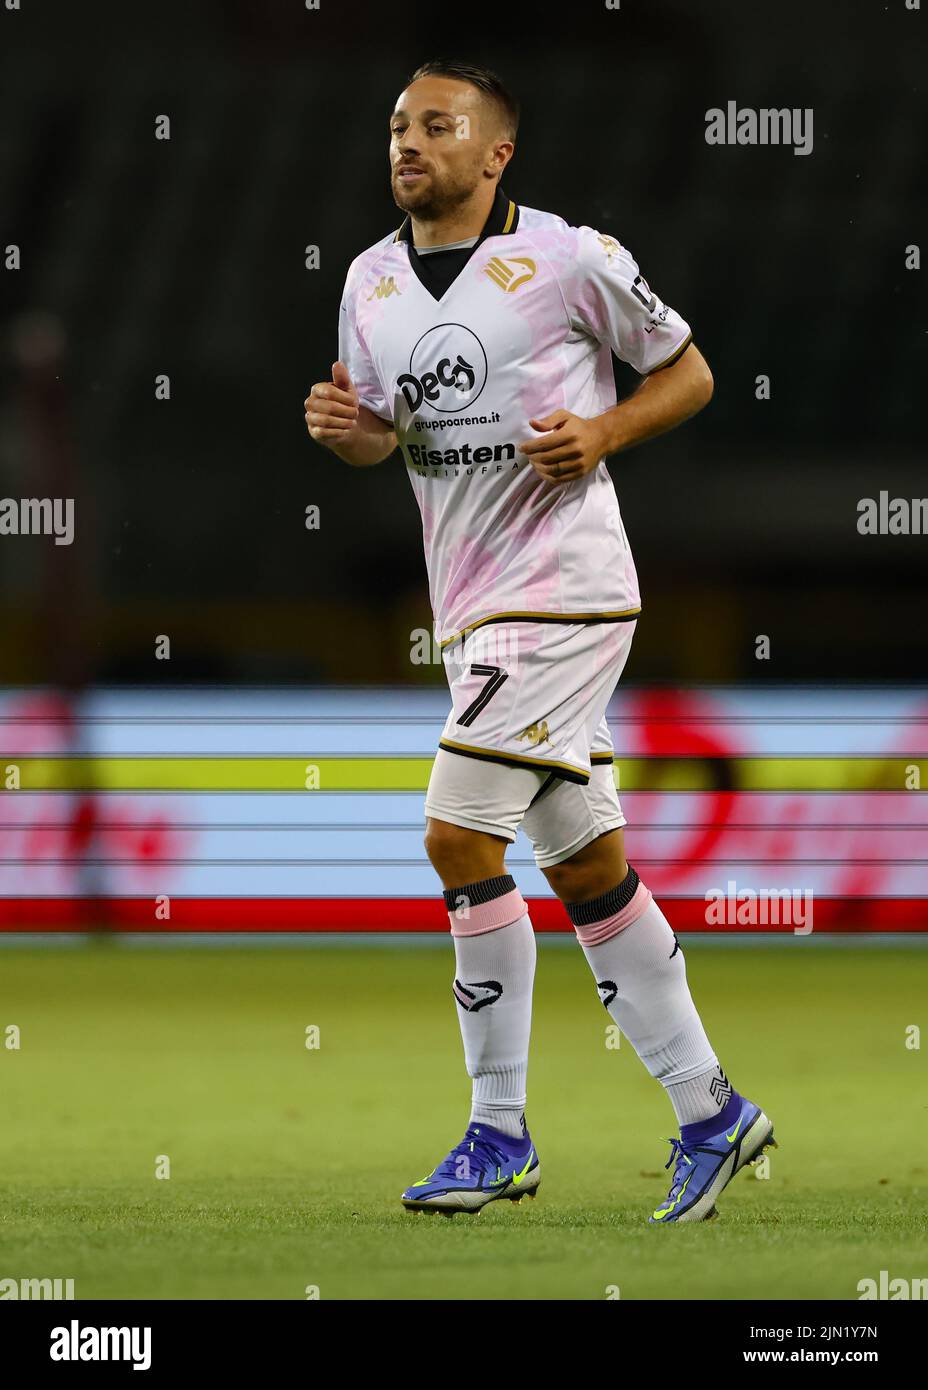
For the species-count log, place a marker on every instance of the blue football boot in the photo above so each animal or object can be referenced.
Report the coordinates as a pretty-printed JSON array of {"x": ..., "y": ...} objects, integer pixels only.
[
  {"x": 484, "y": 1167},
  {"x": 708, "y": 1155}
]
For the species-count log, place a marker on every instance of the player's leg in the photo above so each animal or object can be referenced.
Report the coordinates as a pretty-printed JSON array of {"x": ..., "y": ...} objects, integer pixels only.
[
  {"x": 640, "y": 974},
  {"x": 494, "y": 948},
  {"x": 474, "y": 809},
  {"x": 521, "y": 698},
  {"x": 462, "y": 855}
]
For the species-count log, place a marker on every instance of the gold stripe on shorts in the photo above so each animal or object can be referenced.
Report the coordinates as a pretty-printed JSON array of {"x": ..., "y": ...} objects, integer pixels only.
[
  {"x": 565, "y": 770},
  {"x": 627, "y": 615}
]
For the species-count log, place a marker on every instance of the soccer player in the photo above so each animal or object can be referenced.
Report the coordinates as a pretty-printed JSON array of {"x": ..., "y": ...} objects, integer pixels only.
[{"x": 476, "y": 338}]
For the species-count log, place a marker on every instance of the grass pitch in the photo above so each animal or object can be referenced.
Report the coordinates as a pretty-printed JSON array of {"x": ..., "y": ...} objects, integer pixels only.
[{"x": 286, "y": 1163}]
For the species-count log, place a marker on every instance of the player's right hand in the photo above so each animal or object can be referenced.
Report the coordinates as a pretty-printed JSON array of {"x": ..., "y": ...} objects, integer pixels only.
[{"x": 332, "y": 407}]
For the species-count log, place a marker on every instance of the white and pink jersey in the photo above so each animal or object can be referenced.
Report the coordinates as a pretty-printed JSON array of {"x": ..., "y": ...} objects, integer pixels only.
[{"x": 526, "y": 328}]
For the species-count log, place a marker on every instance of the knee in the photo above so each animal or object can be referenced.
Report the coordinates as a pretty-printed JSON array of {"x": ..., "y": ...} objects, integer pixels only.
[
  {"x": 442, "y": 841},
  {"x": 460, "y": 856},
  {"x": 591, "y": 872},
  {"x": 573, "y": 883}
]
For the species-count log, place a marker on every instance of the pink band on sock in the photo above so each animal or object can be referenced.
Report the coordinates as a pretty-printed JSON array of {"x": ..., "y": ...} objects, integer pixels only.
[
  {"x": 595, "y": 933},
  {"x": 489, "y": 916}
]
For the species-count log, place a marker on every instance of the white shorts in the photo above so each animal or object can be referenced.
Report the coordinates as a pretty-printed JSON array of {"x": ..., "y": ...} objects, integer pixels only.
[{"x": 526, "y": 742}]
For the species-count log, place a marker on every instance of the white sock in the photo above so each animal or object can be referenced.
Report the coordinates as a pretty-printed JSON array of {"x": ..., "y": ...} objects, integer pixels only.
[
  {"x": 494, "y": 975},
  {"x": 641, "y": 977}
]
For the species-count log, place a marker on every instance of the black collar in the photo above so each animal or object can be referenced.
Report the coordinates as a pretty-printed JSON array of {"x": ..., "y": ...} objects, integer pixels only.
[{"x": 438, "y": 271}]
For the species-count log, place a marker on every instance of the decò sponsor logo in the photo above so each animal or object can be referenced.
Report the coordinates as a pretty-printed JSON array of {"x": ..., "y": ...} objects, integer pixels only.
[{"x": 447, "y": 369}]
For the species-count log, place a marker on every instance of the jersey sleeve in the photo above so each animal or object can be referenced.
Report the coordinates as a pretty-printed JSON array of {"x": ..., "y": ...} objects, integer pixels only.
[
  {"x": 610, "y": 299},
  {"x": 353, "y": 352}
]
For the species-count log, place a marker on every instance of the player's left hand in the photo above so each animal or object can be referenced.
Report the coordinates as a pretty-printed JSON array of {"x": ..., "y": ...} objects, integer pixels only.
[{"x": 570, "y": 448}]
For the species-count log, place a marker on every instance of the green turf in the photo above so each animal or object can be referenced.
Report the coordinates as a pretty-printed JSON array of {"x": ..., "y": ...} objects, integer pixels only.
[{"x": 286, "y": 1163}]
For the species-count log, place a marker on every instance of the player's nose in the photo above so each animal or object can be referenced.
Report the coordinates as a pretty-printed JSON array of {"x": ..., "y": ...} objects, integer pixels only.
[{"x": 406, "y": 148}]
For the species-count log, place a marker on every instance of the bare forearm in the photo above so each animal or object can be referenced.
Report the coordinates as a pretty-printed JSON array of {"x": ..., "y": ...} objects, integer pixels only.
[{"x": 661, "y": 402}]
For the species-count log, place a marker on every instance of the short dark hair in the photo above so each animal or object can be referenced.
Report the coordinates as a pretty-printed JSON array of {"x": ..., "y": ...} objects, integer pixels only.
[{"x": 481, "y": 78}]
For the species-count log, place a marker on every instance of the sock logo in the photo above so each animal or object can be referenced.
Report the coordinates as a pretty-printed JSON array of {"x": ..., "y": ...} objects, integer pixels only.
[
  {"x": 720, "y": 1089},
  {"x": 608, "y": 989},
  {"x": 675, "y": 948},
  {"x": 476, "y": 995}
]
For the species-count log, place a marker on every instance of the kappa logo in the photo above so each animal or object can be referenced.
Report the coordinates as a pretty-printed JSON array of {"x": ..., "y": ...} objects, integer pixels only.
[
  {"x": 608, "y": 989},
  {"x": 476, "y": 995},
  {"x": 386, "y": 287},
  {"x": 610, "y": 246},
  {"x": 510, "y": 272},
  {"x": 536, "y": 733}
]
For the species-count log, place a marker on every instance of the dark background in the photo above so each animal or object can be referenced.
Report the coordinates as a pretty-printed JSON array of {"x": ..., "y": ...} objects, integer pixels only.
[{"x": 186, "y": 257}]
